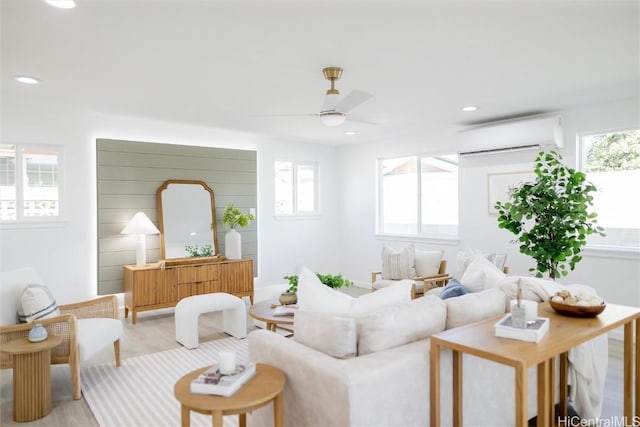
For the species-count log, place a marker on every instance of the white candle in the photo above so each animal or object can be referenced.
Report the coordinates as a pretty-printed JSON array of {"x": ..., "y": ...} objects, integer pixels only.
[{"x": 227, "y": 362}]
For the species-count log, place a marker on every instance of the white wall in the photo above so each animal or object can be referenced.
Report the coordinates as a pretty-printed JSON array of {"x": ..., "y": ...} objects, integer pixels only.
[
  {"x": 65, "y": 255},
  {"x": 615, "y": 275}
]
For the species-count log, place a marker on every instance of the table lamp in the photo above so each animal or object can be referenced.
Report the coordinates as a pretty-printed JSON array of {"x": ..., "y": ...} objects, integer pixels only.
[{"x": 140, "y": 225}]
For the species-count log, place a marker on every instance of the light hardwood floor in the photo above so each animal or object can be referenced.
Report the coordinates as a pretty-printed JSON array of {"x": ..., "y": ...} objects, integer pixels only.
[{"x": 155, "y": 332}]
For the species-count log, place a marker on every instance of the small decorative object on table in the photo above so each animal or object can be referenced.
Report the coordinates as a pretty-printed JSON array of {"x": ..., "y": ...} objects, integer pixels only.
[
  {"x": 38, "y": 332},
  {"x": 212, "y": 381},
  {"x": 532, "y": 332},
  {"x": 580, "y": 305}
]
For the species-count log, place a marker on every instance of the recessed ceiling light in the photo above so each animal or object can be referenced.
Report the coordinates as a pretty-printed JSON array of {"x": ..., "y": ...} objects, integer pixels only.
[
  {"x": 469, "y": 108},
  {"x": 350, "y": 132},
  {"x": 62, "y": 4},
  {"x": 27, "y": 80}
]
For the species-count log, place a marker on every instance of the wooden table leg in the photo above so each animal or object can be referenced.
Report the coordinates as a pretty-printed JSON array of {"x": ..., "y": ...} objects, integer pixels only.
[
  {"x": 185, "y": 416},
  {"x": 278, "y": 415},
  {"x": 552, "y": 390},
  {"x": 544, "y": 404},
  {"x": 637, "y": 337},
  {"x": 31, "y": 385},
  {"x": 434, "y": 384},
  {"x": 217, "y": 418},
  {"x": 628, "y": 371},
  {"x": 564, "y": 387},
  {"x": 242, "y": 420},
  {"x": 521, "y": 396},
  {"x": 457, "y": 388}
]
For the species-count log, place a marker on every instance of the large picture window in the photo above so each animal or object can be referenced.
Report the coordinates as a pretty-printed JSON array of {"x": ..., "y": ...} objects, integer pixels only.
[
  {"x": 612, "y": 163},
  {"x": 296, "y": 188},
  {"x": 29, "y": 182},
  {"x": 419, "y": 196}
]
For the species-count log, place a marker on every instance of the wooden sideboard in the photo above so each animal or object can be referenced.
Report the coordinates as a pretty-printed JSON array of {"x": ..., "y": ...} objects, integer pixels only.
[{"x": 151, "y": 287}]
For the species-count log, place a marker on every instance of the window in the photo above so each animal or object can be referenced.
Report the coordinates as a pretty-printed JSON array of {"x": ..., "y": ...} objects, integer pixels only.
[
  {"x": 419, "y": 196},
  {"x": 29, "y": 182},
  {"x": 612, "y": 162},
  {"x": 296, "y": 188}
]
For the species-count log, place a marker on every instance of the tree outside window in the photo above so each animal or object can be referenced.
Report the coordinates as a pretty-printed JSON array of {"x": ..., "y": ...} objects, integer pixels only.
[{"x": 612, "y": 163}]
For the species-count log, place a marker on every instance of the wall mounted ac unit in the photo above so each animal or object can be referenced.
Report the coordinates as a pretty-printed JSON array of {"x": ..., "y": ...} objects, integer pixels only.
[{"x": 544, "y": 132}]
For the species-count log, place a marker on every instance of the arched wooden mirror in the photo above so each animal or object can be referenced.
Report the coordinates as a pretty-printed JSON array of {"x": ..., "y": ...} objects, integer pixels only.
[{"x": 186, "y": 216}]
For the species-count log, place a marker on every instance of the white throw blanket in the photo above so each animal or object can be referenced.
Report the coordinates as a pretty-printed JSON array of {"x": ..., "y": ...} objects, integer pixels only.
[{"x": 587, "y": 362}]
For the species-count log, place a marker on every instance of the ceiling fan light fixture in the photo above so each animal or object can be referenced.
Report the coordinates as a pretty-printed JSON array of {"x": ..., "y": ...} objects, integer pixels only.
[
  {"x": 332, "y": 118},
  {"x": 62, "y": 4}
]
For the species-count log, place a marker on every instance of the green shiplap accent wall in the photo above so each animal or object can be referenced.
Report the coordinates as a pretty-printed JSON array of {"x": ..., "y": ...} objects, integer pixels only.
[{"x": 130, "y": 172}]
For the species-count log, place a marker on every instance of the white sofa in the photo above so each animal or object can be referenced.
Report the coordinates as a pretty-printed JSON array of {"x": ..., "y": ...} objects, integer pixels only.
[{"x": 390, "y": 387}]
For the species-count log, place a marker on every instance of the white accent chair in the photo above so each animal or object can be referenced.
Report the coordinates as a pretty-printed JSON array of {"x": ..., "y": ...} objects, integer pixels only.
[
  {"x": 86, "y": 327},
  {"x": 188, "y": 310}
]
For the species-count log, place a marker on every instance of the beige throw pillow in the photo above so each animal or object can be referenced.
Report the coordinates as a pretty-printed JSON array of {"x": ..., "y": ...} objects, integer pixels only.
[
  {"x": 398, "y": 264},
  {"x": 427, "y": 263},
  {"x": 332, "y": 335},
  {"x": 401, "y": 324}
]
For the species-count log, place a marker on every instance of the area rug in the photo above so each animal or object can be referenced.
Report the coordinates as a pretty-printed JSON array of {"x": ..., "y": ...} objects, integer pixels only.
[{"x": 140, "y": 392}]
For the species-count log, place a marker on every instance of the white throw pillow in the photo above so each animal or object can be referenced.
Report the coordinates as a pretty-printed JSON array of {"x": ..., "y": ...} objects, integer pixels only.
[
  {"x": 401, "y": 324},
  {"x": 427, "y": 263},
  {"x": 473, "y": 307},
  {"x": 38, "y": 303},
  {"x": 400, "y": 293},
  {"x": 481, "y": 274},
  {"x": 399, "y": 264},
  {"x": 315, "y": 295},
  {"x": 332, "y": 335}
]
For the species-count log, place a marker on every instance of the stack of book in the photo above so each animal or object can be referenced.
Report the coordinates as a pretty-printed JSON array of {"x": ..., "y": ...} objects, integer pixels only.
[
  {"x": 533, "y": 332},
  {"x": 213, "y": 382}
]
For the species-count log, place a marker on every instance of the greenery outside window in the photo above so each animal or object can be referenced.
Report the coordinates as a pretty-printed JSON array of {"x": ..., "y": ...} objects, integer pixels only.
[
  {"x": 612, "y": 163},
  {"x": 30, "y": 182},
  {"x": 296, "y": 188},
  {"x": 418, "y": 195}
]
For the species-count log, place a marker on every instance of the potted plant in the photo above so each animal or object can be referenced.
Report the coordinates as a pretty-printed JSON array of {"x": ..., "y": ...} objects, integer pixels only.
[
  {"x": 550, "y": 216},
  {"x": 233, "y": 218},
  {"x": 333, "y": 281}
]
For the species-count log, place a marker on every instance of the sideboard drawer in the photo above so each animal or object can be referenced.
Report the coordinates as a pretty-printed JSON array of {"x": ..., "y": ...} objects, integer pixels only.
[{"x": 198, "y": 273}]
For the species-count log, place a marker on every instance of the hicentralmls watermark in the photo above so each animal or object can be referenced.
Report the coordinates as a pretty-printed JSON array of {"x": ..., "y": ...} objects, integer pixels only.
[{"x": 602, "y": 422}]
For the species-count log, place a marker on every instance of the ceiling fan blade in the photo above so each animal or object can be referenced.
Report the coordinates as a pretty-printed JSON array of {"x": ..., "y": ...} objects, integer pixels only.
[
  {"x": 330, "y": 101},
  {"x": 352, "y": 100},
  {"x": 287, "y": 115},
  {"x": 358, "y": 119}
]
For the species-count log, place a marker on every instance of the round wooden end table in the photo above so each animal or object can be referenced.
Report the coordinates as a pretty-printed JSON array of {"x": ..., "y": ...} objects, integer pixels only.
[
  {"x": 263, "y": 311},
  {"x": 31, "y": 376},
  {"x": 265, "y": 386}
]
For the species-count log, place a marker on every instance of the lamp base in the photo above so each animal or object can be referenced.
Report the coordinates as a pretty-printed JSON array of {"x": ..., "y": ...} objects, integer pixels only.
[{"x": 141, "y": 250}]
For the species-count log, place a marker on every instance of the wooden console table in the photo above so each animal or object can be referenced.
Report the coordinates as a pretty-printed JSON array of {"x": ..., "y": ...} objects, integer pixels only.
[
  {"x": 565, "y": 333},
  {"x": 151, "y": 287},
  {"x": 31, "y": 377}
]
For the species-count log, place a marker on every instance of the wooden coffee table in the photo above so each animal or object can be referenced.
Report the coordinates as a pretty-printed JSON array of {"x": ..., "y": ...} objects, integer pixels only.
[
  {"x": 263, "y": 311},
  {"x": 31, "y": 376},
  {"x": 265, "y": 386}
]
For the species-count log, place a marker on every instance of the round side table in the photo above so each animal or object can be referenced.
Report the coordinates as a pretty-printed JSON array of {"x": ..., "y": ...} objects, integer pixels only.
[
  {"x": 31, "y": 376},
  {"x": 265, "y": 386},
  {"x": 263, "y": 311}
]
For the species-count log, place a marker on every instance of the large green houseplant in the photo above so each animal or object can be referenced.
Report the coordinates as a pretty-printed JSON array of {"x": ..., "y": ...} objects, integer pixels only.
[{"x": 550, "y": 216}]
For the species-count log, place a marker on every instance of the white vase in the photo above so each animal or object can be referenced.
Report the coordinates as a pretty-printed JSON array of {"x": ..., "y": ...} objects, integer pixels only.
[{"x": 233, "y": 245}]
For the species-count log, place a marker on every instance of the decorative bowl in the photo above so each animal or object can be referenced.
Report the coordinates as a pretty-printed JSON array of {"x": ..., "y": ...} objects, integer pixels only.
[{"x": 578, "y": 310}]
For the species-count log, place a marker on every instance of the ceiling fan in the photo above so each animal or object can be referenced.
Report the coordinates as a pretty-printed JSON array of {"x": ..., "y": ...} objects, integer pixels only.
[{"x": 335, "y": 108}]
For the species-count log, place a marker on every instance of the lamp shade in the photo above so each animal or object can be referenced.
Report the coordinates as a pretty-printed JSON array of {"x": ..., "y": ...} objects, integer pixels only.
[
  {"x": 140, "y": 224},
  {"x": 332, "y": 118}
]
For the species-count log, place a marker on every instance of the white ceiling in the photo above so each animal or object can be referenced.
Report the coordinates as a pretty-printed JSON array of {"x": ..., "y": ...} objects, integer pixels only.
[{"x": 229, "y": 63}]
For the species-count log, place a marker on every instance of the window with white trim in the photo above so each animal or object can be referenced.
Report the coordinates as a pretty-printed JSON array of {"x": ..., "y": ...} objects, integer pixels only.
[
  {"x": 612, "y": 163},
  {"x": 296, "y": 188},
  {"x": 30, "y": 182},
  {"x": 418, "y": 195}
]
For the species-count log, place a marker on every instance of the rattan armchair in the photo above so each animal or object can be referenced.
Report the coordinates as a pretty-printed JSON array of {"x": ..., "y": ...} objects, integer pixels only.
[
  {"x": 428, "y": 282},
  {"x": 66, "y": 326}
]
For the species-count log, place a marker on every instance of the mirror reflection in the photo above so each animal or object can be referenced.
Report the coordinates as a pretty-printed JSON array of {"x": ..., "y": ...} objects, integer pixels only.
[{"x": 186, "y": 213}]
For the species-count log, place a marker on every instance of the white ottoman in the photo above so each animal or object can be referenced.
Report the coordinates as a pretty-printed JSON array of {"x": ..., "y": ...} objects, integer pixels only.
[{"x": 188, "y": 310}]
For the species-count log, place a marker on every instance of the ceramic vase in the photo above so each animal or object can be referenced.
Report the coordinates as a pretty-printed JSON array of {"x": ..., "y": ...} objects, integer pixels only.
[
  {"x": 38, "y": 333},
  {"x": 233, "y": 245}
]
